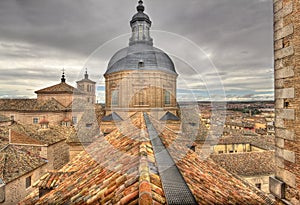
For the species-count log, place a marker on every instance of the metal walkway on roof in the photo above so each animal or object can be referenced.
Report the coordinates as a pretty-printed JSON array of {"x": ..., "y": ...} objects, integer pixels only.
[{"x": 176, "y": 190}]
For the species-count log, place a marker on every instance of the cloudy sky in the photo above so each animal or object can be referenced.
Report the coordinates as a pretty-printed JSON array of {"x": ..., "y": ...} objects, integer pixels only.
[{"x": 221, "y": 48}]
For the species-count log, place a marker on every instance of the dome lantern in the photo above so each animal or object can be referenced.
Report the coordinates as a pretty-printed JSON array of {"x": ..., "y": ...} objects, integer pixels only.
[{"x": 140, "y": 25}]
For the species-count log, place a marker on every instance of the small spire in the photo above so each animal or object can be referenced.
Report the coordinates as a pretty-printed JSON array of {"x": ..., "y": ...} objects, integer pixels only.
[
  {"x": 86, "y": 75},
  {"x": 140, "y": 7},
  {"x": 63, "y": 79}
]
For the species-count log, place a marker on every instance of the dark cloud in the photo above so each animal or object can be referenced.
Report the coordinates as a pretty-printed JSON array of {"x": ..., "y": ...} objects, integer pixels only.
[{"x": 41, "y": 35}]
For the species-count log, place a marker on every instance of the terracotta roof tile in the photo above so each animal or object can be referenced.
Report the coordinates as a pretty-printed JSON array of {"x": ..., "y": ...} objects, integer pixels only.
[
  {"x": 119, "y": 172},
  {"x": 210, "y": 183},
  {"x": 17, "y": 161},
  {"x": 120, "y": 168},
  {"x": 22, "y": 134},
  {"x": 58, "y": 89},
  {"x": 17, "y": 138},
  {"x": 30, "y": 105}
]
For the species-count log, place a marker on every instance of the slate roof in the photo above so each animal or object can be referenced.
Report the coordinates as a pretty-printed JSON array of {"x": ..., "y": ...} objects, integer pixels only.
[
  {"x": 30, "y": 105},
  {"x": 17, "y": 161},
  {"x": 128, "y": 59},
  {"x": 112, "y": 117},
  {"x": 61, "y": 88},
  {"x": 120, "y": 168},
  {"x": 169, "y": 116}
]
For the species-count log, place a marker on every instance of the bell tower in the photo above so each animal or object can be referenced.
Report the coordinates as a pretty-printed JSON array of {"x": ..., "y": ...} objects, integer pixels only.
[{"x": 88, "y": 87}]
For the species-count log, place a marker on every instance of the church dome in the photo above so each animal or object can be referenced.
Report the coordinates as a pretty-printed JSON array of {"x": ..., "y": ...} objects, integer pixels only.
[
  {"x": 141, "y": 57},
  {"x": 140, "y": 54}
]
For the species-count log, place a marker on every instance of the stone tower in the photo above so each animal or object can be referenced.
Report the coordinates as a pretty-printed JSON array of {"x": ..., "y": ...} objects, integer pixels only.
[
  {"x": 286, "y": 184},
  {"x": 140, "y": 77},
  {"x": 88, "y": 87}
]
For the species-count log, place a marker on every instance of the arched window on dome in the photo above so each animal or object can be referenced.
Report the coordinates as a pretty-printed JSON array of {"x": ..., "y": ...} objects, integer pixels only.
[
  {"x": 115, "y": 98},
  {"x": 167, "y": 97}
]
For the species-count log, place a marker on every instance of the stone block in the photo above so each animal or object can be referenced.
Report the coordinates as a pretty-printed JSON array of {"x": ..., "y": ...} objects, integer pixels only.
[
  {"x": 277, "y": 6},
  {"x": 278, "y": 25},
  {"x": 279, "y": 162},
  {"x": 284, "y": 72},
  {"x": 279, "y": 142},
  {"x": 279, "y": 83},
  {"x": 288, "y": 114},
  {"x": 289, "y": 156},
  {"x": 279, "y": 104},
  {"x": 285, "y": 93},
  {"x": 286, "y": 176},
  {"x": 285, "y": 134},
  {"x": 279, "y": 123},
  {"x": 277, "y": 187},
  {"x": 278, "y": 44},
  {"x": 284, "y": 52},
  {"x": 278, "y": 64},
  {"x": 279, "y": 152},
  {"x": 285, "y": 31},
  {"x": 286, "y": 10}
]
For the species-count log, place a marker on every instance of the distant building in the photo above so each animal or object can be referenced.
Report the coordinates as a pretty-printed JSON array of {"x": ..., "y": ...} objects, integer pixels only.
[
  {"x": 251, "y": 158},
  {"x": 54, "y": 104}
]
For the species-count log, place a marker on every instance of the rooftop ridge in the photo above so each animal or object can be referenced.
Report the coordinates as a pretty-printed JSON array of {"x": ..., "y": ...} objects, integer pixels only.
[
  {"x": 176, "y": 189},
  {"x": 145, "y": 196}
]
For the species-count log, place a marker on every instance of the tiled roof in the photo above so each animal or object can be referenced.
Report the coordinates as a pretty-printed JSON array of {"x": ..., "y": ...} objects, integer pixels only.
[
  {"x": 17, "y": 138},
  {"x": 210, "y": 183},
  {"x": 30, "y": 105},
  {"x": 59, "y": 89},
  {"x": 122, "y": 171},
  {"x": 31, "y": 133},
  {"x": 51, "y": 179},
  {"x": 247, "y": 163},
  {"x": 17, "y": 161},
  {"x": 120, "y": 168}
]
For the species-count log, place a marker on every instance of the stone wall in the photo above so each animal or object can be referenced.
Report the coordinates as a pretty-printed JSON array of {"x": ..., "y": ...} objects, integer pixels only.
[
  {"x": 57, "y": 155},
  {"x": 263, "y": 180},
  {"x": 287, "y": 95},
  {"x": 64, "y": 99},
  {"x": 141, "y": 90},
  {"x": 54, "y": 118},
  {"x": 16, "y": 190}
]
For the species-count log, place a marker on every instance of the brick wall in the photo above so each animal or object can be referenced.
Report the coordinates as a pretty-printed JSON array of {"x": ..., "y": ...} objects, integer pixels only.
[{"x": 287, "y": 95}]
